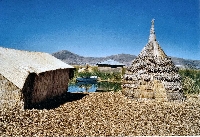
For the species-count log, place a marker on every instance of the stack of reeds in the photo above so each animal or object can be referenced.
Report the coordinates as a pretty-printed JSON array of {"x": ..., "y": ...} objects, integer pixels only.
[{"x": 151, "y": 65}]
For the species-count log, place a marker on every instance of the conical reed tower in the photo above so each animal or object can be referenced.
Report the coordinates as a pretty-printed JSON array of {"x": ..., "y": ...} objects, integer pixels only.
[{"x": 152, "y": 74}]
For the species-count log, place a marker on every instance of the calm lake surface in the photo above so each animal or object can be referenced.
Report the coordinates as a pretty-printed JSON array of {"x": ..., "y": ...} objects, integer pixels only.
[{"x": 94, "y": 86}]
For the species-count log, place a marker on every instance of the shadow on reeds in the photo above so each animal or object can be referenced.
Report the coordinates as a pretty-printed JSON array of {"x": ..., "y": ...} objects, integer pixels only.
[{"x": 57, "y": 101}]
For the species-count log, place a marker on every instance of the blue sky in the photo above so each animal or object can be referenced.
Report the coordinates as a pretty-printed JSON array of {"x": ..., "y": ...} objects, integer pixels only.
[{"x": 98, "y": 28}]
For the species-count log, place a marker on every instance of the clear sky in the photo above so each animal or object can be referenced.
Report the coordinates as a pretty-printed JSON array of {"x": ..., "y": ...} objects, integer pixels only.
[{"x": 98, "y": 28}]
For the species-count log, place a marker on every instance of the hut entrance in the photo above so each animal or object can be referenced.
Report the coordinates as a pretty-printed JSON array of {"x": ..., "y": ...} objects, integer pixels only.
[
  {"x": 159, "y": 91},
  {"x": 151, "y": 90}
]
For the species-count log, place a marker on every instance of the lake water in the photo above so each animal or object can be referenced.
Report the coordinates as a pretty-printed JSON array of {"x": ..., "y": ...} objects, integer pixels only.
[{"x": 94, "y": 86}]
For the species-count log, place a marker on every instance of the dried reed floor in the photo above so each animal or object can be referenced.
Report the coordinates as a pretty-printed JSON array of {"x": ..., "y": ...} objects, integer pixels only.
[{"x": 105, "y": 114}]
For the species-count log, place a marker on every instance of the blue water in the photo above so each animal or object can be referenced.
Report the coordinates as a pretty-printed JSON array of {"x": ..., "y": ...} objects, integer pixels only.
[
  {"x": 93, "y": 86},
  {"x": 82, "y": 88}
]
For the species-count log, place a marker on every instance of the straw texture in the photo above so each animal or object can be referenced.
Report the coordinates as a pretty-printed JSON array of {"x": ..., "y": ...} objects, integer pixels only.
[{"x": 106, "y": 114}]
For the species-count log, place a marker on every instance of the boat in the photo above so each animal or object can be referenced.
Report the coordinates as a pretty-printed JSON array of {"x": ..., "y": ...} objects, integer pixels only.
[{"x": 87, "y": 79}]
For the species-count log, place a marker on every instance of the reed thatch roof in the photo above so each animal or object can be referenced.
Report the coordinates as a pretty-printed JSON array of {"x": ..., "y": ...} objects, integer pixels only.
[
  {"x": 16, "y": 64},
  {"x": 110, "y": 62}
]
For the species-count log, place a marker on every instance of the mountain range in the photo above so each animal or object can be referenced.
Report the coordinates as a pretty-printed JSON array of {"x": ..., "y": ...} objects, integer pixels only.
[{"x": 75, "y": 59}]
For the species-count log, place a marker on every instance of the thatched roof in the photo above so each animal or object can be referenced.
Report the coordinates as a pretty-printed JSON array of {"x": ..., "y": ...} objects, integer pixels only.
[
  {"x": 110, "y": 62},
  {"x": 16, "y": 64}
]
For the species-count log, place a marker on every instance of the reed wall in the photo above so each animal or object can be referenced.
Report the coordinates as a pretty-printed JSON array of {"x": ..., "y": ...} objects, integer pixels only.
[{"x": 46, "y": 85}]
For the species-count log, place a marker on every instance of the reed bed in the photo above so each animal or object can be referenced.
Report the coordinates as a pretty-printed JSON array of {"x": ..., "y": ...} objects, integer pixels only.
[{"x": 105, "y": 114}]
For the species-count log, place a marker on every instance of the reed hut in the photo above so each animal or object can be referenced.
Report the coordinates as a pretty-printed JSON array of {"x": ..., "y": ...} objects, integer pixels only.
[
  {"x": 152, "y": 74},
  {"x": 110, "y": 66},
  {"x": 28, "y": 78}
]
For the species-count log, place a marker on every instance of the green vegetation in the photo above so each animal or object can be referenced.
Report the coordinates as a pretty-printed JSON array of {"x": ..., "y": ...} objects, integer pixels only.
[
  {"x": 102, "y": 76},
  {"x": 190, "y": 81},
  {"x": 108, "y": 81},
  {"x": 190, "y": 78}
]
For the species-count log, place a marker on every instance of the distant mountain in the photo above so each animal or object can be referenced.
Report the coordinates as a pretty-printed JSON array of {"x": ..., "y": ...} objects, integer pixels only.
[
  {"x": 186, "y": 63},
  {"x": 74, "y": 59}
]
